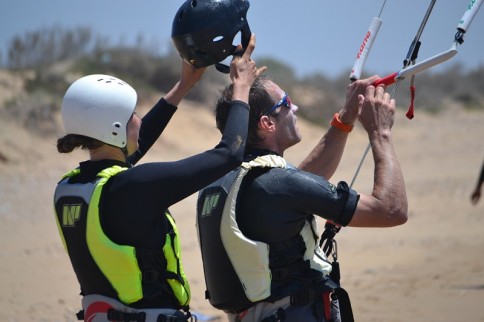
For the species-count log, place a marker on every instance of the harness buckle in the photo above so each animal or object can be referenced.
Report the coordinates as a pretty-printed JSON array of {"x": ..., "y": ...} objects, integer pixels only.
[{"x": 277, "y": 316}]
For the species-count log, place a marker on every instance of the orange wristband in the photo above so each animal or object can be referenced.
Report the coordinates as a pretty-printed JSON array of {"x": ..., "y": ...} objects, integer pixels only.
[{"x": 336, "y": 122}]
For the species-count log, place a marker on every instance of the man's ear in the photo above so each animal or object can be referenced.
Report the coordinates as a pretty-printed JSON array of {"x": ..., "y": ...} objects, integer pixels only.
[{"x": 266, "y": 124}]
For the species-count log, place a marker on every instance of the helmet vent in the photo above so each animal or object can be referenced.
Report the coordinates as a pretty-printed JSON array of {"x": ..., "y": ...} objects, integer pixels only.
[
  {"x": 106, "y": 101},
  {"x": 111, "y": 80},
  {"x": 194, "y": 3},
  {"x": 218, "y": 38},
  {"x": 117, "y": 125}
]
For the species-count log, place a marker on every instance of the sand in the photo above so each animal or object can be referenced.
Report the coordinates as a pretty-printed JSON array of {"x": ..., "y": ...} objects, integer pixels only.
[{"x": 430, "y": 269}]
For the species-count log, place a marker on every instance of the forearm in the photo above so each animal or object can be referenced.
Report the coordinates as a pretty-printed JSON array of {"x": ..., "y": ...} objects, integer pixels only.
[
  {"x": 326, "y": 156},
  {"x": 177, "y": 93},
  {"x": 388, "y": 187},
  {"x": 153, "y": 124},
  {"x": 188, "y": 78},
  {"x": 324, "y": 159},
  {"x": 234, "y": 136}
]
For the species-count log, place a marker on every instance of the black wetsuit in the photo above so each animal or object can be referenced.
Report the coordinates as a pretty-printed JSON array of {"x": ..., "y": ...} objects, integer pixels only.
[
  {"x": 273, "y": 203},
  {"x": 134, "y": 201}
]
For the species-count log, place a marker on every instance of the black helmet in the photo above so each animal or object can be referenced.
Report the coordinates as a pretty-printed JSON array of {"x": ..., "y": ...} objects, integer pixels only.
[{"x": 203, "y": 30}]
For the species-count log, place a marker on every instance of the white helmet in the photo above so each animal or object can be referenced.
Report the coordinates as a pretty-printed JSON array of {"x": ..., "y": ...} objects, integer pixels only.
[{"x": 100, "y": 107}]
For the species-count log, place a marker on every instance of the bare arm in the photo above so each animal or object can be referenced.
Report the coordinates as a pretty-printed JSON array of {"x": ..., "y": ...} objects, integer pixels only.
[
  {"x": 189, "y": 77},
  {"x": 324, "y": 159},
  {"x": 387, "y": 204}
]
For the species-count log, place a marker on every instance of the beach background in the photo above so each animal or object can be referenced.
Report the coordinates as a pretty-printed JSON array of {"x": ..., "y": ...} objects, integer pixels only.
[{"x": 430, "y": 269}]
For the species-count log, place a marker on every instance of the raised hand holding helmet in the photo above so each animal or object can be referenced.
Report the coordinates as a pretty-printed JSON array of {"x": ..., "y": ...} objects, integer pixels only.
[{"x": 203, "y": 30}]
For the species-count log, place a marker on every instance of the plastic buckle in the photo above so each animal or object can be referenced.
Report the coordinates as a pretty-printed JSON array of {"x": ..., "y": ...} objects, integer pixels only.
[{"x": 277, "y": 316}]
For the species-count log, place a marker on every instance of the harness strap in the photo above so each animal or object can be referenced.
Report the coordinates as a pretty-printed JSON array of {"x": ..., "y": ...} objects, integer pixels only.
[
  {"x": 115, "y": 315},
  {"x": 322, "y": 307},
  {"x": 277, "y": 316},
  {"x": 119, "y": 316},
  {"x": 279, "y": 274},
  {"x": 326, "y": 299},
  {"x": 171, "y": 318}
]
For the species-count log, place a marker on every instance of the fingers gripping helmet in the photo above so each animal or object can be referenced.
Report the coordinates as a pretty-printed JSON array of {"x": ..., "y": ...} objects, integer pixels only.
[
  {"x": 100, "y": 107},
  {"x": 203, "y": 30}
]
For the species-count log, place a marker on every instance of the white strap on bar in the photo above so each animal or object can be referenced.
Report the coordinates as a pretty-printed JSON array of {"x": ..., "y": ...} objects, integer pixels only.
[
  {"x": 365, "y": 48},
  {"x": 469, "y": 15}
]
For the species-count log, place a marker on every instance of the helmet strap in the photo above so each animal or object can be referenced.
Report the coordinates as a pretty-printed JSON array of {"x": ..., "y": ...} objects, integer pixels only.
[{"x": 222, "y": 68}]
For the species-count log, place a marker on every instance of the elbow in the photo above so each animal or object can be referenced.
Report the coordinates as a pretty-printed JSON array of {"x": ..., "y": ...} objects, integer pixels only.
[
  {"x": 234, "y": 157},
  {"x": 234, "y": 160},
  {"x": 398, "y": 214},
  {"x": 236, "y": 151},
  {"x": 403, "y": 211},
  {"x": 232, "y": 153},
  {"x": 401, "y": 218}
]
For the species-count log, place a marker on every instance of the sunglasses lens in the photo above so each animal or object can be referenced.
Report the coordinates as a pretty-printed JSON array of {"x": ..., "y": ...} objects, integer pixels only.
[{"x": 286, "y": 101}]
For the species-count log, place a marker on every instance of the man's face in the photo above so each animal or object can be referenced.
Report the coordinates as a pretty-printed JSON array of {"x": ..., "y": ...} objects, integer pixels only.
[{"x": 286, "y": 127}]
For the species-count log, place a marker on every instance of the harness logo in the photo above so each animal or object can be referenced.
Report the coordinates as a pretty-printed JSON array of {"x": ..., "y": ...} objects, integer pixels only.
[
  {"x": 210, "y": 203},
  {"x": 70, "y": 214}
]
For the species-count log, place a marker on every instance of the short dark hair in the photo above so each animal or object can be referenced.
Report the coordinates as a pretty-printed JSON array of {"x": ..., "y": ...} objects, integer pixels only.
[
  {"x": 70, "y": 142},
  {"x": 259, "y": 101}
]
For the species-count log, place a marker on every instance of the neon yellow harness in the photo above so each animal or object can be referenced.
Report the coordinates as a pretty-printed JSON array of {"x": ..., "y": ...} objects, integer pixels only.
[{"x": 118, "y": 263}]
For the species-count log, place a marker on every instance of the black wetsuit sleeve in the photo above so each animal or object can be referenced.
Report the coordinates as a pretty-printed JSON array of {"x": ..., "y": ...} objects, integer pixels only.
[
  {"x": 152, "y": 125},
  {"x": 322, "y": 198},
  {"x": 287, "y": 197},
  {"x": 146, "y": 190}
]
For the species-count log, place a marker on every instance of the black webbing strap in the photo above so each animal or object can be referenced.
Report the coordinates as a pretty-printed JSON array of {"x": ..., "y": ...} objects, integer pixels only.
[
  {"x": 327, "y": 237},
  {"x": 303, "y": 297},
  {"x": 115, "y": 315}
]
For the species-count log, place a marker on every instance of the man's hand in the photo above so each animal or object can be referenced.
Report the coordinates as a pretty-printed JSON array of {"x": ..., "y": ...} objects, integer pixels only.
[
  {"x": 377, "y": 110},
  {"x": 349, "y": 113}
]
